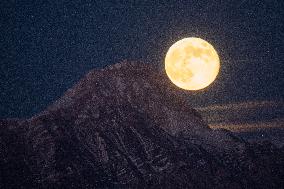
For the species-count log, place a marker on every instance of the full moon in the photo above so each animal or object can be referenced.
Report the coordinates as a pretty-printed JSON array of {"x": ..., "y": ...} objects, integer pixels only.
[{"x": 192, "y": 63}]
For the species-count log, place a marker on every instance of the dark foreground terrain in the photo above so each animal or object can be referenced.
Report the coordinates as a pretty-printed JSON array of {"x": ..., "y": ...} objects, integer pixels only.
[{"x": 127, "y": 127}]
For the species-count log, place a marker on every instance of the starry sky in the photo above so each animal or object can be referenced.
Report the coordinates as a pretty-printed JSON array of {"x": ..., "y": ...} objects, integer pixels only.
[{"x": 47, "y": 46}]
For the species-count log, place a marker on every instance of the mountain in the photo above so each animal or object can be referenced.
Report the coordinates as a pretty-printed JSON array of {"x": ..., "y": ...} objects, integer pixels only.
[{"x": 127, "y": 126}]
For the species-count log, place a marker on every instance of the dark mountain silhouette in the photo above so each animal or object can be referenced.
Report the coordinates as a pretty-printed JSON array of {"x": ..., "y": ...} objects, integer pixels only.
[{"x": 127, "y": 126}]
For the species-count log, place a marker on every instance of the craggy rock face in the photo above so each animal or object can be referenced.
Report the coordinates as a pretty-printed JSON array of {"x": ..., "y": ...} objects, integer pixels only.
[{"x": 127, "y": 126}]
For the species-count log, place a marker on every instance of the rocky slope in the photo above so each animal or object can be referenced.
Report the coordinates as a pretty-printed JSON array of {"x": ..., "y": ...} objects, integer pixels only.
[{"x": 127, "y": 126}]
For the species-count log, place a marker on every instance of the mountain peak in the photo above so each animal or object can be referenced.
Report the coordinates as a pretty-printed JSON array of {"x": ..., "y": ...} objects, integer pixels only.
[
  {"x": 128, "y": 126},
  {"x": 137, "y": 85}
]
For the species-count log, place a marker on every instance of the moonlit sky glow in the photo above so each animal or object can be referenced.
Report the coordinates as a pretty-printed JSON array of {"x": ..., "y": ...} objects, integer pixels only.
[{"x": 47, "y": 46}]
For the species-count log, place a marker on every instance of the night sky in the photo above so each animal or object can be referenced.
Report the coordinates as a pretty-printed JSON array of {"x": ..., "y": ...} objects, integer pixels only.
[{"x": 47, "y": 46}]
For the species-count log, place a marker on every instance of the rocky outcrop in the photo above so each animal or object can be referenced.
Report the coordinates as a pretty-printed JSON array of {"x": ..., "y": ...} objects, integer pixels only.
[{"x": 127, "y": 126}]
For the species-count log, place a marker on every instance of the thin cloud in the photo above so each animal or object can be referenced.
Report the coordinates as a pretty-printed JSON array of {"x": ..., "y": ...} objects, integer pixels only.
[{"x": 242, "y": 105}]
